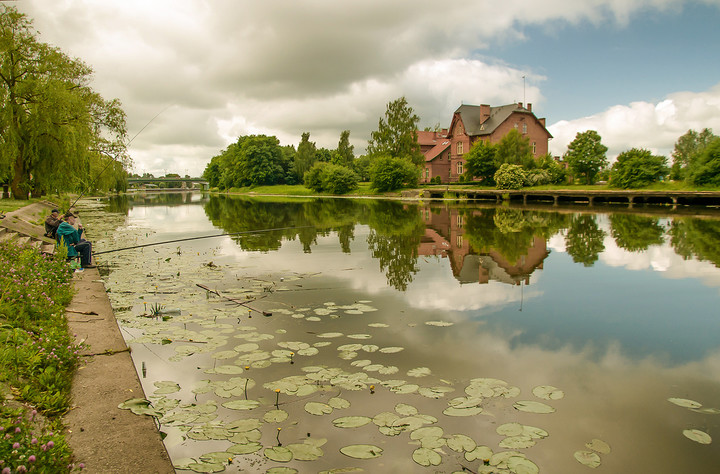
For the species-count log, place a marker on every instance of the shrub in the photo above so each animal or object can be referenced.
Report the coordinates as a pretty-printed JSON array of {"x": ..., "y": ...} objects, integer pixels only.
[
  {"x": 387, "y": 174},
  {"x": 509, "y": 176},
  {"x": 537, "y": 177},
  {"x": 637, "y": 168},
  {"x": 327, "y": 177}
]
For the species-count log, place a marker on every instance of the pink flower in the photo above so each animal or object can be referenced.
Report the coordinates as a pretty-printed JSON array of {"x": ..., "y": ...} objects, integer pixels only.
[
  {"x": 50, "y": 444},
  {"x": 31, "y": 458},
  {"x": 16, "y": 445}
]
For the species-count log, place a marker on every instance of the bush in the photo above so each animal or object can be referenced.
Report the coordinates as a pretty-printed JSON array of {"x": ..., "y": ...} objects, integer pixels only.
[
  {"x": 334, "y": 179},
  {"x": 436, "y": 180},
  {"x": 705, "y": 171},
  {"x": 537, "y": 177},
  {"x": 509, "y": 176},
  {"x": 387, "y": 174},
  {"x": 637, "y": 168}
]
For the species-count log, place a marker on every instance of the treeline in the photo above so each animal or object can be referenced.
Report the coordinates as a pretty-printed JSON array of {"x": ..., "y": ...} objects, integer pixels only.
[
  {"x": 56, "y": 132},
  {"x": 392, "y": 160}
]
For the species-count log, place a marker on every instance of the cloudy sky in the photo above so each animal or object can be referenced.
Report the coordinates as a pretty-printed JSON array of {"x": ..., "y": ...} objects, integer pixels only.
[{"x": 641, "y": 72}]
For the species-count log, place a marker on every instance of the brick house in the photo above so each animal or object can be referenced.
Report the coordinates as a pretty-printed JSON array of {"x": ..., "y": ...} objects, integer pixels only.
[
  {"x": 436, "y": 148},
  {"x": 471, "y": 123}
]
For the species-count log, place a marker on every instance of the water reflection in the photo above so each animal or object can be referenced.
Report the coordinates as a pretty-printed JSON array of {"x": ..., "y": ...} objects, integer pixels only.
[{"x": 612, "y": 312}]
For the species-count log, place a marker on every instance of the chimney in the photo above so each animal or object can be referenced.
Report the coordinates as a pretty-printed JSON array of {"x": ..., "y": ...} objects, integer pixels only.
[
  {"x": 484, "y": 112},
  {"x": 529, "y": 107},
  {"x": 520, "y": 105},
  {"x": 444, "y": 132},
  {"x": 542, "y": 121}
]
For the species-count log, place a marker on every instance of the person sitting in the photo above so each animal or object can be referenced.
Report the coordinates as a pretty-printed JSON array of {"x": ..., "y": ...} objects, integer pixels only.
[
  {"x": 51, "y": 223},
  {"x": 71, "y": 237}
]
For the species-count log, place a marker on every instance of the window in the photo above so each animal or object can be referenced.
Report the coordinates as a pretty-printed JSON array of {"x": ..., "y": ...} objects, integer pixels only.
[
  {"x": 460, "y": 148},
  {"x": 524, "y": 128},
  {"x": 460, "y": 220},
  {"x": 460, "y": 167},
  {"x": 459, "y": 241},
  {"x": 427, "y": 173},
  {"x": 534, "y": 147},
  {"x": 516, "y": 125}
]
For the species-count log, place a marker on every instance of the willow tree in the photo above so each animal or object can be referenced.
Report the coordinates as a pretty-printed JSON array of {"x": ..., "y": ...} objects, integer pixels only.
[{"x": 55, "y": 129}]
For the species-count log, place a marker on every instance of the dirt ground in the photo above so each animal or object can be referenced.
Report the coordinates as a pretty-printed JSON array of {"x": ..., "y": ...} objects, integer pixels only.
[{"x": 105, "y": 438}]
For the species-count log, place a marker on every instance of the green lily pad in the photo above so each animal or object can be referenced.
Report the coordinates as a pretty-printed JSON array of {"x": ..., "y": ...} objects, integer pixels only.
[
  {"x": 533, "y": 407},
  {"x": 439, "y": 323},
  {"x": 587, "y": 458},
  {"x": 427, "y": 431},
  {"x": 275, "y": 416},
  {"x": 362, "y": 451},
  {"x": 281, "y": 470},
  {"x": 317, "y": 408},
  {"x": 510, "y": 429},
  {"x": 480, "y": 452},
  {"x": 338, "y": 403},
  {"x": 246, "y": 448},
  {"x": 472, "y": 411},
  {"x": 140, "y": 406},
  {"x": 206, "y": 467},
  {"x": 599, "y": 446},
  {"x": 520, "y": 465},
  {"x": 351, "y": 421},
  {"x": 426, "y": 457},
  {"x": 241, "y": 404},
  {"x": 548, "y": 392},
  {"x": 278, "y": 454},
  {"x": 391, "y": 350},
  {"x": 685, "y": 403},
  {"x": 165, "y": 388},
  {"x": 517, "y": 442},
  {"x": 405, "y": 409},
  {"x": 245, "y": 424},
  {"x": 461, "y": 443},
  {"x": 535, "y": 433},
  {"x": 305, "y": 451},
  {"x": 698, "y": 436},
  {"x": 419, "y": 372},
  {"x": 216, "y": 457}
]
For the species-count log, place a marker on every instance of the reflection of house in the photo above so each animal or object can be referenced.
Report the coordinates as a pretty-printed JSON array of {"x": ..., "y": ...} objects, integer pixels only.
[
  {"x": 444, "y": 237},
  {"x": 471, "y": 123}
]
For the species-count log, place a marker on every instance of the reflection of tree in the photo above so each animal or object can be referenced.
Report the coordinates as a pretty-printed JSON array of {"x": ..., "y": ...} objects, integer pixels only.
[
  {"x": 510, "y": 232},
  {"x": 584, "y": 240},
  {"x": 118, "y": 204},
  {"x": 394, "y": 240},
  {"x": 635, "y": 233},
  {"x": 691, "y": 237}
]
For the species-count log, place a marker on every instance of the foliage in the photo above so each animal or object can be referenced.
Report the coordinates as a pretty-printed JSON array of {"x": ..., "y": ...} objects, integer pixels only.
[
  {"x": 556, "y": 172},
  {"x": 635, "y": 233},
  {"x": 255, "y": 160},
  {"x": 637, "y": 168},
  {"x": 390, "y": 173},
  {"x": 56, "y": 132},
  {"x": 361, "y": 166},
  {"x": 586, "y": 156},
  {"x": 514, "y": 149},
  {"x": 510, "y": 176},
  {"x": 37, "y": 357},
  {"x": 584, "y": 240},
  {"x": 536, "y": 177},
  {"x": 705, "y": 168},
  {"x": 334, "y": 179},
  {"x": 305, "y": 156},
  {"x": 344, "y": 155},
  {"x": 480, "y": 162},
  {"x": 691, "y": 237},
  {"x": 687, "y": 149},
  {"x": 396, "y": 136}
]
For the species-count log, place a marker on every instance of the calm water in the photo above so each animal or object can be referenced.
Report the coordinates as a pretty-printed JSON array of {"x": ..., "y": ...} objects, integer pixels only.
[{"x": 616, "y": 310}]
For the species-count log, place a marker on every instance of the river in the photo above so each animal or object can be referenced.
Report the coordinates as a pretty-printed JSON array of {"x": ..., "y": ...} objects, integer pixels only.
[{"x": 385, "y": 335}]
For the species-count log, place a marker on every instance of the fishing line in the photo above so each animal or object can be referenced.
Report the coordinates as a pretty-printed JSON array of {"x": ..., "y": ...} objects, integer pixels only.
[{"x": 201, "y": 237}]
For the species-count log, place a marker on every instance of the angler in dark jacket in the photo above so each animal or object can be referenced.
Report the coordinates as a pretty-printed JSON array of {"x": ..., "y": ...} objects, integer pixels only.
[{"x": 71, "y": 237}]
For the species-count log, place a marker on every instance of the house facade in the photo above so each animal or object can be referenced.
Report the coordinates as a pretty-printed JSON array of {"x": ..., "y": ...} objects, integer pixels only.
[{"x": 471, "y": 123}]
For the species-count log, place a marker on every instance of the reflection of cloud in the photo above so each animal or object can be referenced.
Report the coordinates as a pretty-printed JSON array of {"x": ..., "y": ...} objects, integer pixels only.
[{"x": 557, "y": 242}]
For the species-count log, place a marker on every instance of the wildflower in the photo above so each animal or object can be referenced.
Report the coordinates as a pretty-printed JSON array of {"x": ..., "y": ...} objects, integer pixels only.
[
  {"x": 34, "y": 441},
  {"x": 16, "y": 445},
  {"x": 31, "y": 458}
]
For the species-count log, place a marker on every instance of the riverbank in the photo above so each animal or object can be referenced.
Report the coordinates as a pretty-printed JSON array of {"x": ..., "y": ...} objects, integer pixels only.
[{"x": 102, "y": 437}]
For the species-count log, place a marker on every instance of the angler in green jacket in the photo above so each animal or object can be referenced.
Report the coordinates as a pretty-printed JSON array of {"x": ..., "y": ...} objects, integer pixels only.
[{"x": 71, "y": 237}]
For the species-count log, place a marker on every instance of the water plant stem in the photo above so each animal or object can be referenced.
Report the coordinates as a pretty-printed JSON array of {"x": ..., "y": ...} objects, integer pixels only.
[{"x": 241, "y": 303}]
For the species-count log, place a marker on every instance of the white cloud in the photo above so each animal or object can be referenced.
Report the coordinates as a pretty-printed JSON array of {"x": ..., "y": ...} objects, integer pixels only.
[{"x": 645, "y": 125}]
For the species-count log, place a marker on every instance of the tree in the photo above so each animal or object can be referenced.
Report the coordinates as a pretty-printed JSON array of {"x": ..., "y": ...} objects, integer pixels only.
[
  {"x": 259, "y": 161},
  {"x": 705, "y": 168},
  {"x": 637, "y": 168},
  {"x": 556, "y": 171},
  {"x": 687, "y": 148},
  {"x": 396, "y": 136},
  {"x": 586, "y": 156},
  {"x": 510, "y": 176},
  {"x": 584, "y": 240},
  {"x": 514, "y": 149},
  {"x": 480, "y": 162},
  {"x": 305, "y": 156},
  {"x": 636, "y": 233},
  {"x": 334, "y": 179},
  {"x": 344, "y": 155},
  {"x": 389, "y": 173},
  {"x": 54, "y": 129}
]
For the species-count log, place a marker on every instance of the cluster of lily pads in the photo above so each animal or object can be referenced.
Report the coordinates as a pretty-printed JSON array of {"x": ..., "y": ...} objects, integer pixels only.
[{"x": 695, "y": 434}]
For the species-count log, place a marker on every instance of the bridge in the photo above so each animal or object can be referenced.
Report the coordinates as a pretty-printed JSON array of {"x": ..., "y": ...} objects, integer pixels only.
[{"x": 185, "y": 182}]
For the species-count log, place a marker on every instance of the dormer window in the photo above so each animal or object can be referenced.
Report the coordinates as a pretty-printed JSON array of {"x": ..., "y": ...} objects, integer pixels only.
[{"x": 460, "y": 148}]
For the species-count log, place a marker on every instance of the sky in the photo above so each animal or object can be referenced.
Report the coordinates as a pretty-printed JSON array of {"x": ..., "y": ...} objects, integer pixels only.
[{"x": 194, "y": 75}]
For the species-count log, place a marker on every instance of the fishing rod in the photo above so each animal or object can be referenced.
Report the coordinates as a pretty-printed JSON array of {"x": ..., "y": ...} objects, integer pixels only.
[
  {"x": 113, "y": 159},
  {"x": 259, "y": 231}
]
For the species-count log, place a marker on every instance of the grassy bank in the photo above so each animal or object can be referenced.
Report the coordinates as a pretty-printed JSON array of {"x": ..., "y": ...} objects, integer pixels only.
[{"x": 38, "y": 358}]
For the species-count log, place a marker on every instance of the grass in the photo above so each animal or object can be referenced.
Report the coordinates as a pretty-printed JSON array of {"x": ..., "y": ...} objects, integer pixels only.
[{"x": 38, "y": 358}]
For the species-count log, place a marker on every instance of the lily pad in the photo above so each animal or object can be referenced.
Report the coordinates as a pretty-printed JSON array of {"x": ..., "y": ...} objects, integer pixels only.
[
  {"x": 317, "y": 408},
  {"x": 533, "y": 407},
  {"x": 391, "y": 350},
  {"x": 599, "y": 446},
  {"x": 165, "y": 388},
  {"x": 419, "y": 372},
  {"x": 206, "y": 467},
  {"x": 698, "y": 436},
  {"x": 305, "y": 451},
  {"x": 278, "y": 454},
  {"x": 247, "y": 448},
  {"x": 281, "y": 470},
  {"x": 472, "y": 411},
  {"x": 338, "y": 403},
  {"x": 241, "y": 404},
  {"x": 587, "y": 458},
  {"x": 461, "y": 443},
  {"x": 362, "y": 451},
  {"x": 510, "y": 429},
  {"x": 520, "y": 465},
  {"x": 685, "y": 403},
  {"x": 426, "y": 457},
  {"x": 548, "y": 392},
  {"x": 517, "y": 442},
  {"x": 480, "y": 452},
  {"x": 439, "y": 323},
  {"x": 275, "y": 416},
  {"x": 352, "y": 421},
  {"x": 139, "y": 406}
]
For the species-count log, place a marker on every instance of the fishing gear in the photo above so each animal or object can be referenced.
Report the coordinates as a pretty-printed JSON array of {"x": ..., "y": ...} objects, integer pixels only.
[
  {"x": 113, "y": 159},
  {"x": 201, "y": 237},
  {"x": 241, "y": 303}
]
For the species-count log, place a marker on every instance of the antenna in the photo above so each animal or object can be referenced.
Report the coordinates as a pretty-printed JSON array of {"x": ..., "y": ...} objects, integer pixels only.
[{"x": 523, "y": 89}]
